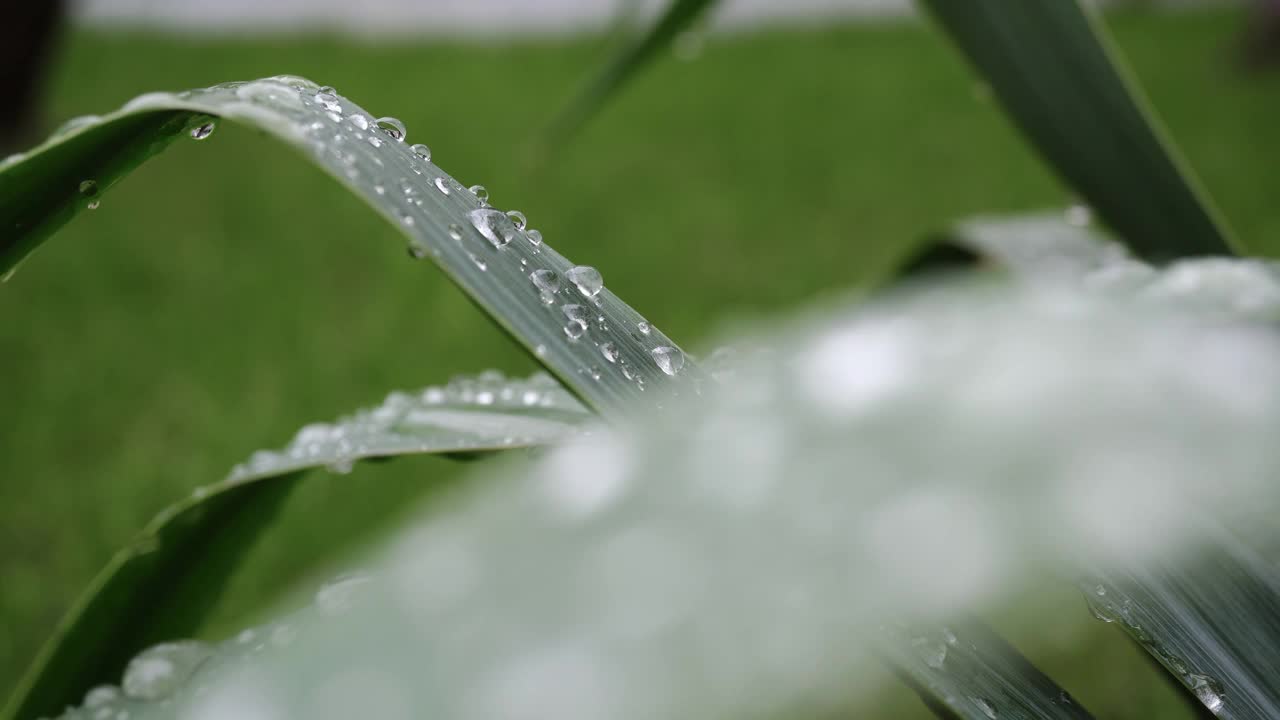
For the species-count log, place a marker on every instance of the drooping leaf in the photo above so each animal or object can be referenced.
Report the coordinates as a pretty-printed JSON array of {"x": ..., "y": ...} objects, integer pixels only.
[
  {"x": 1051, "y": 67},
  {"x": 600, "y": 348},
  {"x": 169, "y": 577}
]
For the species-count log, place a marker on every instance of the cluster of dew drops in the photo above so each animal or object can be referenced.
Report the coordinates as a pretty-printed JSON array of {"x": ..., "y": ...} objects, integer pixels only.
[
  {"x": 496, "y": 227},
  {"x": 500, "y": 229}
]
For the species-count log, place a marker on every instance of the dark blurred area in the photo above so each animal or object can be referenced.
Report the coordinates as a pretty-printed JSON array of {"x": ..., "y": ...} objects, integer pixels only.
[{"x": 28, "y": 33}]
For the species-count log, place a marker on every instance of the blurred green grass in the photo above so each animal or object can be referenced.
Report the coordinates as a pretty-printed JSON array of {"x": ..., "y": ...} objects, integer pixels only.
[{"x": 228, "y": 293}]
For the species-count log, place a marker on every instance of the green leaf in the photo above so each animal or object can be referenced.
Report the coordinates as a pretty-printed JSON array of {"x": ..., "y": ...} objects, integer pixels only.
[
  {"x": 679, "y": 15},
  {"x": 589, "y": 339},
  {"x": 1212, "y": 624},
  {"x": 966, "y": 670},
  {"x": 162, "y": 584},
  {"x": 1051, "y": 67},
  {"x": 1053, "y": 70}
]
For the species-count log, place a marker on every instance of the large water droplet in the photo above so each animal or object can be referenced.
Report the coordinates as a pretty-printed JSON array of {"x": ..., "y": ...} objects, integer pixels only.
[
  {"x": 669, "y": 359},
  {"x": 203, "y": 131},
  {"x": 101, "y": 695},
  {"x": 159, "y": 670},
  {"x": 493, "y": 225},
  {"x": 442, "y": 186},
  {"x": 587, "y": 279},
  {"x": 545, "y": 280},
  {"x": 518, "y": 219},
  {"x": 610, "y": 352},
  {"x": 574, "y": 329},
  {"x": 392, "y": 127},
  {"x": 422, "y": 151}
]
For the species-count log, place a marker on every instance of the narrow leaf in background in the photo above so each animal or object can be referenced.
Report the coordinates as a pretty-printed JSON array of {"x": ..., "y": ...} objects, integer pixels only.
[{"x": 1051, "y": 67}]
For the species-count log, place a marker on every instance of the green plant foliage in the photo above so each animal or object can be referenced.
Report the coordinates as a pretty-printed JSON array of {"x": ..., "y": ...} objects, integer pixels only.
[
  {"x": 564, "y": 315},
  {"x": 189, "y": 550}
]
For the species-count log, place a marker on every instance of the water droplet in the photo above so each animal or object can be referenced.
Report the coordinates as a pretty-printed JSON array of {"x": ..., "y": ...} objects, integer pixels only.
[
  {"x": 643, "y": 327},
  {"x": 493, "y": 225},
  {"x": 392, "y": 127},
  {"x": 535, "y": 237},
  {"x": 587, "y": 279},
  {"x": 1079, "y": 215},
  {"x": 417, "y": 250},
  {"x": 359, "y": 121},
  {"x": 422, "y": 151},
  {"x": 76, "y": 123},
  {"x": 669, "y": 359},
  {"x": 545, "y": 280},
  {"x": 610, "y": 352},
  {"x": 933, "y": 651},
  {"x": 379, "y": 189},
  {"x": 407, "y": 219},
  {"x": 340, "y": 594},
  {"x": 594, "y": 372},
  {"x": 101, "y": 695},
  {"x": 442, "y": 186},
  {"x": 159, "y": 670},
  {"x": 1207, "y": 690},
  {"x": 283, "y": 635},
  {"x": 89, "y": 188},
  {"x": 375, "y": 141},
  {"x": 574, "y": 329},
  {"x": 986, "y": 707},
  {"x": 575, "y": 312},
  {"x": 479, "y": 262},
  {"x": 203, "y": 131},
  {"x": 93, "y": 204},
  {"x": 517, "y": 219},
  {"x": 481, "y": 194}
]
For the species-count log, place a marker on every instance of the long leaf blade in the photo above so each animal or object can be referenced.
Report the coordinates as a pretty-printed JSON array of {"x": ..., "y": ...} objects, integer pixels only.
[
  {"x": 598, "y": 346},
  {"x": 1051, "y": 67},
  {"x": 163, "y": 584}
]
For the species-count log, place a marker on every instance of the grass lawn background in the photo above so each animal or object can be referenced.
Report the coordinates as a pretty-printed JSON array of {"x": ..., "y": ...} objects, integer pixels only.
[{"x": 228, "y": 293}]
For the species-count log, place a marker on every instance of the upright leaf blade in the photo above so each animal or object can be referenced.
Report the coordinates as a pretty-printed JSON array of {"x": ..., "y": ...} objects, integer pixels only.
[
  {"x": 566, "y": 328},
  {"x": 162, "y": 585},
  {"x": 677, "y": 16},
  {"x": 1050, "y": 65}
]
